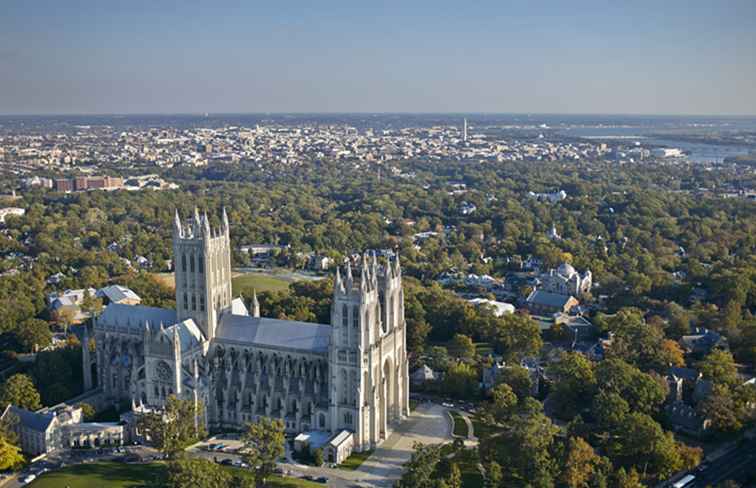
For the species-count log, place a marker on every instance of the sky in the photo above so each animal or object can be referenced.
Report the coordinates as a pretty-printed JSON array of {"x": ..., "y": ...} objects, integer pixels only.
[{"x": 498, "y": 56}]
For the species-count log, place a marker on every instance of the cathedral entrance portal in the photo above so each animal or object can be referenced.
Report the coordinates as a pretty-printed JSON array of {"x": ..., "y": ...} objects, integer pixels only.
[{"x": 386, "y": 397}]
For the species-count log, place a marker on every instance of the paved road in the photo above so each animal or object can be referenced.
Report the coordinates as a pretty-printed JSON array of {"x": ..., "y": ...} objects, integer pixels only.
[
  {"x": 738, "y": 465},
  {"x": 429, "y": 424}
]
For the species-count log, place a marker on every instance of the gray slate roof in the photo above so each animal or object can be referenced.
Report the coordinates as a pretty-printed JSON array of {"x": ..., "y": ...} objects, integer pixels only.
[
  {"x": 31, "y": 420},
  {"x": 116, "y": 293},
  {"x": 190, "y": 336},
  {"x": 134, "y": 316},
  {"x": 539, "y": 297},
  {"x": 285, "y": 334}
]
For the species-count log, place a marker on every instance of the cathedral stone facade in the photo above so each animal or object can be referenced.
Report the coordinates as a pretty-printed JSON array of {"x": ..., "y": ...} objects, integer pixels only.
[{"x": 349, "y": 375}]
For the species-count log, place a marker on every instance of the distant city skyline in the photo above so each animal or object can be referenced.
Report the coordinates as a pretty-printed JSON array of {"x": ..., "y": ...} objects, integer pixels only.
[{"x": 587, "y": 57}]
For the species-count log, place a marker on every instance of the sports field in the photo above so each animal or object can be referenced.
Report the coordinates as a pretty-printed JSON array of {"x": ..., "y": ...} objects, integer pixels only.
[{"x": 122, "y": 475}]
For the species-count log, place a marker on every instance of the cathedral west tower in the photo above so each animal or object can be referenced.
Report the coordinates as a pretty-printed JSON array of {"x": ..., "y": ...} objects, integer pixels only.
[{"x": 202, "y": 263}]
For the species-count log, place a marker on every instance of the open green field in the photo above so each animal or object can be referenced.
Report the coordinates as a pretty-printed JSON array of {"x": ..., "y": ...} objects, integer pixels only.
[
  {"x": 355, "y": 460},
  {"x": 245, "y": 283},
  {"x": 103, "y": 475},
  {"x": 121, "y": 475}
]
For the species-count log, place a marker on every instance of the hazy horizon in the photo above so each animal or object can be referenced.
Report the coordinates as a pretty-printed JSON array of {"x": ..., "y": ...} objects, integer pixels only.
[{"x": 687, "y": 58}]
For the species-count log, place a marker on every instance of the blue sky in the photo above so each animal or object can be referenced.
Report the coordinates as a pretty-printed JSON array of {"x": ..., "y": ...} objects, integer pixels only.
[{"x": 667, "y": 57}]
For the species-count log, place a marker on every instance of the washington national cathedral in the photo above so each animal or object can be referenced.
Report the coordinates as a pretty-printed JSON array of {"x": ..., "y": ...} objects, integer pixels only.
[{"x": 349, "y": 375}]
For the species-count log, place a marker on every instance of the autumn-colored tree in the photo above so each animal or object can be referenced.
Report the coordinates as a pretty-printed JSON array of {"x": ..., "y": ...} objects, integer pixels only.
[{"x": 581, "y": 464}]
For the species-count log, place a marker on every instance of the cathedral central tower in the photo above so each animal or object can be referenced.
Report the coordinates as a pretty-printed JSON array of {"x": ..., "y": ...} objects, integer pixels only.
[{"x": 202, "y": 263}]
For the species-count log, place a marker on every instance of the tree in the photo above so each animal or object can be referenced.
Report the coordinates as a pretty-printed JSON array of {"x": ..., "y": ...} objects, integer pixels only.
[
  {"x": 19, "y": 390},
  {"x": 177, "y": 427},
  {"x": 518, "y": 378},
  {"x": 10, "y": 454},
  {"x": 493, "y": 475},
  {"x": 455, "y": 477},
  {"x": 609, "y": 409},
  {"x": 91, "y": 305},
  {"x": 581, "y": 464},
  {"x": 191, "y": 472},
  {"x": 719, "y": 366},
  {"x": 643, "y": 392},
  {"x": 517, "y": 336},
  {"x": 87, "y": 411},
  {"x": 420, "y": 469},
  {"x": 317, "y": 457},
  {"x": 574, "y": 383},
  {"x": 721, "y": 408},
  {"x": 461, "y": 380},
  {"x": 627, "y": 479},
  {"x": 638, "y": 343},
  {"x": 263, "y": 445},
  {"x": 640, "y": 441},
  {"x": 33, "y": 334},
  {"x": 679, "y": 320},
  {"x": 65, "y": 316},
  {"x": 463, "y": 346},
  {"x": 673, "y": 353},
  {"x": 502, "y": 405},
  {"x": 438, "y": 358},
  {"x": 523, "y": 450}
]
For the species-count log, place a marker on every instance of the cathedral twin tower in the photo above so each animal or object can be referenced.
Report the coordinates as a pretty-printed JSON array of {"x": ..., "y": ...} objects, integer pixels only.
[{"x": 348, "y": 375}]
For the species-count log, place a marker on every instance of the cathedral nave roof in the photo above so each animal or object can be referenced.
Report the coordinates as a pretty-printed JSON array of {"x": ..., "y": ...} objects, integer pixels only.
[
  {"x": 265, "y": 332},
  {"x": 134, "y": 316}
]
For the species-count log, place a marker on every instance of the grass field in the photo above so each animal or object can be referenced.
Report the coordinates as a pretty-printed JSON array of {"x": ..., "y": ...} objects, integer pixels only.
[
  {"x": 460, "y": 427},
  {"x": 355, "y": 460},
  {"x": 120, "y": 475},
  {"x": 240, "y": 283},
  {"x": 102, "y": 475},
  {"x": 261, "y": 282}
]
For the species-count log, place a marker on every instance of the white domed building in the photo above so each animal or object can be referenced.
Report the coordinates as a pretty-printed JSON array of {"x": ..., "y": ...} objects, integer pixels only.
[{"x": 566, "y": 280}]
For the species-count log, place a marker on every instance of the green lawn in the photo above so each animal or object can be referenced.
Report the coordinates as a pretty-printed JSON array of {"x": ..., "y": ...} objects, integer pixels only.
[
  {"x": 355, "y": 460},
  {"x": 121, "y": 475},
  {"x": 102, "y": 475},
  {"x": 242, "y": 283},
  {"x": 460, "y": 427},
  {"x": 261, "y": 282}
]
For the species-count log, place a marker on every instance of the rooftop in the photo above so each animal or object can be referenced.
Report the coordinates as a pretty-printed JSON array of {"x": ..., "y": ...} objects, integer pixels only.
[{"x": 284, "y": 334}]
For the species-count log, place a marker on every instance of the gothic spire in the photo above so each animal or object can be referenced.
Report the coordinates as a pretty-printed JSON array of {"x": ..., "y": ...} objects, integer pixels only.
[
  {"x": 205, "y": 225},
  {"x": 225, "y": 221},
  {"x": 349, "y": 278},
  {"x": 337, "y": 284},
  {"x": 196, "y": 218},
  {"x": 255, "y": 304},
  {"x": 177, "y": 224}
]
